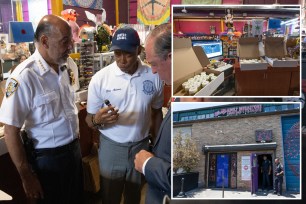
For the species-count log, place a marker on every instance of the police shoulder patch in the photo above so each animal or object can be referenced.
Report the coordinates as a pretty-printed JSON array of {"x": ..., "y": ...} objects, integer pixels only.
[{"x": 11, "y": 87}]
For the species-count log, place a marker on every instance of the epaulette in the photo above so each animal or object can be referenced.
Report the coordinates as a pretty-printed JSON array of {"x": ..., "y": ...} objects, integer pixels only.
[{"x": 23, "y": 66}]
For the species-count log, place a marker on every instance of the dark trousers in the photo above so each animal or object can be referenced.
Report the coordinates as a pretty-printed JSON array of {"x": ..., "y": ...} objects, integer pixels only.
[
  {"x": 119, "y": 176},
  {"x": 61, "y": 175},
  {"x": 278, "y": 182},
  {"x": 265, "y": 180}
]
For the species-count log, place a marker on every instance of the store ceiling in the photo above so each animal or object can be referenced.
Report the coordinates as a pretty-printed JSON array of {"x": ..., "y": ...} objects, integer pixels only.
[{"x": 194, "y": 12}]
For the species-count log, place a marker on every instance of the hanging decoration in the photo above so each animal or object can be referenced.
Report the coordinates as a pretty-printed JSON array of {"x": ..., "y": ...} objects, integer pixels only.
[
  {"x": 93, "y": 4},
  {"x": 103, "y": 32},
  {"x": 70, "y": 16},
  {"x": 153, "y": 12},
  {"x": 257, "y": 27}
]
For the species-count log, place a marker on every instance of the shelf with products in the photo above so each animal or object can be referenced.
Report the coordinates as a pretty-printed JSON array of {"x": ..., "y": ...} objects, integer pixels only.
[
  {"x": 102, "y": 60},
  {"x": 85, "y": 62},
  {"x": 198, "y": 36},
  {"x": 229, "y": 45}
]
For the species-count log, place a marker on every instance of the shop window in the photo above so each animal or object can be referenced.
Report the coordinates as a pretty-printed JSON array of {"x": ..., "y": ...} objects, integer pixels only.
[
  {"x": 212, "y": 170},
  {"x": 233, "y": 175}
]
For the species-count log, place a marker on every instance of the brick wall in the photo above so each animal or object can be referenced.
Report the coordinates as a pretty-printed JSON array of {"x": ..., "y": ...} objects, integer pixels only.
[{"x": 236, "y": 131}]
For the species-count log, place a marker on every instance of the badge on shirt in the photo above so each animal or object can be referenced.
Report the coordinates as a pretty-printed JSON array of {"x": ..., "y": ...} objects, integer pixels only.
[
  {"x": 148, "y": 87},
  {"x": 71, "y": 77},
  {"x": 11, "y": 87}
]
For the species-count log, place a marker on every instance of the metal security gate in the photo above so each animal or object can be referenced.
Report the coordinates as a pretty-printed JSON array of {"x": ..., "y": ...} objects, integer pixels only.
[{"x": 291, "y": 141}]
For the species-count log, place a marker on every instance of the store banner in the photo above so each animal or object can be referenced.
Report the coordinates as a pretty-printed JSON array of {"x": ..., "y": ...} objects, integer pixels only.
[
  {"x": 245, "y": 168},
  {"x": 93, "y": 4},
  {"x": 202, "y": 2},
  {"x": 257, "y": 27},
  {"x": 153, "y": 12}
]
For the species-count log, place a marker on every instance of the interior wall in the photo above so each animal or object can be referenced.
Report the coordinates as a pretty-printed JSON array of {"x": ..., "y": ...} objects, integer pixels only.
[
  {"x": 193, "y": 26},
  {"x": 6, "y": 15},
  {"x": 123, "y": 11},
  {"x": 133, "y": 12}
]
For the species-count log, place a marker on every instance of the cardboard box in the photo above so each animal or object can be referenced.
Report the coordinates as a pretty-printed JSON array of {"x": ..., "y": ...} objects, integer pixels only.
[
  {"x": 248, "y": 48},
  {"x": 189, "y": 61},
  {"x": 275, "y": 47}
]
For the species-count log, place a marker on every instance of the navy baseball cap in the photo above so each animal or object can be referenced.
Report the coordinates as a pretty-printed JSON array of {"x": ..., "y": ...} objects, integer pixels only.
[{"x": 126, "y": 39}]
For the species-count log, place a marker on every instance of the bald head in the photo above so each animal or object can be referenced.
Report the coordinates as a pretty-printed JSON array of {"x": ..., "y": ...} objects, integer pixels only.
[
  {"x": 53, "y": 38},
  {"x": 276, "y": 160},
  {"x": 160, "y": 37},
  {"x": 48, "y": 24}
]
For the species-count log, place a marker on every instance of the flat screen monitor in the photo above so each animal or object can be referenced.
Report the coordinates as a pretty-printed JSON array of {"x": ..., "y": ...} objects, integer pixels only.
[{"x": 212, "y": 48}]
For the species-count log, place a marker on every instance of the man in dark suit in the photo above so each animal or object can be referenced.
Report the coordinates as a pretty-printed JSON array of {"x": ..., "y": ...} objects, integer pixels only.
[{"x": 156, "y": 166}]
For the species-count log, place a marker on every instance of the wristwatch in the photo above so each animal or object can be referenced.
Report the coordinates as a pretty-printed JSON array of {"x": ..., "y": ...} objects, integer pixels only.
[{"x": 96, "y": 124}]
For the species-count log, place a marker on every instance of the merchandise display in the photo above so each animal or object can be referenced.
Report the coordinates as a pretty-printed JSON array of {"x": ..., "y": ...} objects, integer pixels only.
[
  {"x": 196, "y": 83},
  {"x": 249, "y": 61},
  {"x": 86, "y": 63},
  {"x": 245, "y": 41},
  {"x": 275, "y": 51},
  {"x": 197, "y": 80}
]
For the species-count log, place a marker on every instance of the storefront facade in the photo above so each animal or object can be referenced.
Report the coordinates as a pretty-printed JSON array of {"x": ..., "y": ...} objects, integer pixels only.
[{"x": 233, "y": 139}]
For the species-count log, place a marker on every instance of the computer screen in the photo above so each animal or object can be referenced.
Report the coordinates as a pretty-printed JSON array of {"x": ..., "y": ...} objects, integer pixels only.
[{"x": 212, "y": 48}]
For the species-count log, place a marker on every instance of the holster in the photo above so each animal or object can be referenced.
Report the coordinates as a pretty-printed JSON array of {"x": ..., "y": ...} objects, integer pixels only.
[{"x": 28, "y": 147}]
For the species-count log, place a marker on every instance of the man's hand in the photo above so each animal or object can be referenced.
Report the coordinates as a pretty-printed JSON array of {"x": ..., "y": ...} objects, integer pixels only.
[
  {"x": 31, "y": 186},
  {"x": 140, "y": 158},
  {"x": 107, "y": 115}
]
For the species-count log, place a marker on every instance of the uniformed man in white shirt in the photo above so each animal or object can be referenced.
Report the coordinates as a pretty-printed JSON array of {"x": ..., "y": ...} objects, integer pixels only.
[
  {"x": 39, "y": 95},
  {"x": 136, "y": 98}
]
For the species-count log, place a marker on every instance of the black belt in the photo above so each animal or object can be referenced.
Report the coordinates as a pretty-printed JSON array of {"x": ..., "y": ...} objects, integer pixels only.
[{"x": 56, "y": 150}]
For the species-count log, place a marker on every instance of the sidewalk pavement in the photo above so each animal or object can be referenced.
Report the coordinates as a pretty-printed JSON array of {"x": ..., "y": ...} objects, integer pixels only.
[{"x": 204, "y": 193}]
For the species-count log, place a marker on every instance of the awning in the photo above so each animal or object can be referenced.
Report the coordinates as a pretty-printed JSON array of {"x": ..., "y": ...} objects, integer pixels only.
[{"x": 239, "y": 147}]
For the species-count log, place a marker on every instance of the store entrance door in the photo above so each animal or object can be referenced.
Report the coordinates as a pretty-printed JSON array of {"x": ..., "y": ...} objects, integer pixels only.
[
  {"x": 254, "y": 172},
  {"x": 222, "y": 170},
  {"x": 269, "y": 184}
]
